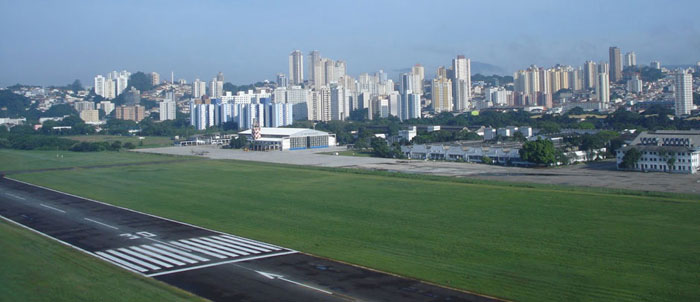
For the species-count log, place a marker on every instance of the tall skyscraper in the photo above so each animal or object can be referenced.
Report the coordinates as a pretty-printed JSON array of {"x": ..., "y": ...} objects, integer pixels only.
[
  {"x": 282, "y": 80},
  {"x": 684, "y": 92},
  {"x": 406, "y": 83},
  {"x": 167, "y": 110},
  {"x": 630, "y": 59},
  {"x": 100, "y": 85},
  {"x": 418, "y": 72},
  {"x": 199, "y": 88},
  {"x": 110, "y": 89},
  {"x": 296, "y": 67},
  {"x": 589, "y": 75},
  {"x": 615, "y": 64},
  {"x": 220, "y": 76},
  {"x": 316, "y": 71},
  {"x": 442, "y": 95},
  {"x": 603, "y": 89},
  {"x": 462, "y": 83},
  {"x": 216, "y": 88},
  {"x": 655, "y": 64},
  {"x": 155, "y": 79}
]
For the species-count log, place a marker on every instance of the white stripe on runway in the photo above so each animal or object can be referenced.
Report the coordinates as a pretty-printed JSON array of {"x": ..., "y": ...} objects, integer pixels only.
[
  {"x": 237, "y": 246},
  {"x": 220, "y": 246},
  {"x": 161, "y": 257},
  {"x": 16, "y": 196},
  {"x": 198, "y": 250},
  {"x": 258, "y": 243},
  {"x": 122, "y": 262},
  {"x": 132, "y": 259},
  {"x": 144, "y": 257},
  {"x": 50, "y": 207},
  {"x": 215, "y": 250},
  {"x": 242, "y": 244},
  {"x": 176, "y": 251},
  {"x": 104, "y": 224}
]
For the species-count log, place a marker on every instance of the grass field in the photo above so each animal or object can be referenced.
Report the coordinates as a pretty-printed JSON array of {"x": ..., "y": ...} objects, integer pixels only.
[
  {"x": 34, "y": 268},
  {"x": 148, "y": 141},
  {"x": 30, "y": 160},
  {"x": 520, "y": 243}
]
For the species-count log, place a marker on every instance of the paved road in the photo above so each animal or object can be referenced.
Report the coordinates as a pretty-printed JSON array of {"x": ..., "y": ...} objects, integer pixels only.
[{"x": 214, "y": 265}]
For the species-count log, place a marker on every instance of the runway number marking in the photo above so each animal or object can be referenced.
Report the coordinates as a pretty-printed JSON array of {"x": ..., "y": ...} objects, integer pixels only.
[{"x": 137, "y": 235}]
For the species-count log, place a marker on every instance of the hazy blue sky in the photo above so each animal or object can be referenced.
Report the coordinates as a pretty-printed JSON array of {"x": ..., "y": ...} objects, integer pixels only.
[{"x": 54, "y": 42}]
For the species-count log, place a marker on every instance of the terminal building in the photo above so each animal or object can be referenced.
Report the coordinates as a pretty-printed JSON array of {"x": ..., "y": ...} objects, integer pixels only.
[
  {"x": 282, "y": 139},
  {"x": 675, "y": 151}
]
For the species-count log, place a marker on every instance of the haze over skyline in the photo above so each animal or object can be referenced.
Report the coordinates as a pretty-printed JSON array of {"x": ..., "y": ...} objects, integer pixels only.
[{"x": 53, "y": 43}]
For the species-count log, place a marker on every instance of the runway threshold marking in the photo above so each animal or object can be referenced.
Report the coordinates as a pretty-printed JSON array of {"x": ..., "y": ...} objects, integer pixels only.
[
  {"x": 100, "y": 223},
  {"x": 50, "y": 207},
  {"x": 220, "y": 263}
]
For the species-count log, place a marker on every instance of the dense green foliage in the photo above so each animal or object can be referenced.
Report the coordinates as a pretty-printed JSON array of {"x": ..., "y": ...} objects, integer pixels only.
[
  {"x": 539, "y": 243},
  {"x": 38, "y": 269},
  {"x": 228, "y": 86},
  {"x": 630, "y": 159},
  {"x": 602, "y": 139},
  {"x": 140, "y": 81},
  {"x": 380, "y": 148},
  {"x": 239, "y": 142},
  {"x": 492, "y": 80},
  {"x": 445, "y": 136},
  {"x": 540, "y": 152},
  {"x": 13, "y": 105}
]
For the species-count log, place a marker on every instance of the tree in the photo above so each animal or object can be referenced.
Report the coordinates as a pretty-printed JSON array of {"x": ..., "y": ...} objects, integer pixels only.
[
  {"x": 76, "y": 86},
  {"x": 630, "y": 159},
  {"x": 129, "y": 145},
  {"x": 14, "y": 105},
  {"x": 540, "y": 152},
  {"x": 239, "y": 142},
  {"x": 519, "y": 137},
  {"x": 487, "y": 160},
  {"x": 140, "y": 81}
]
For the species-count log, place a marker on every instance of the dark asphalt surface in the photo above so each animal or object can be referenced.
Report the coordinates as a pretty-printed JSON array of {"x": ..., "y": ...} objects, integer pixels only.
[{"x": 216, "y": 266}]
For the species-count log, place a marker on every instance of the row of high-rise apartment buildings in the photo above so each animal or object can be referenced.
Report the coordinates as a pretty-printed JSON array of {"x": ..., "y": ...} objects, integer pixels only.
[
  {"x": 451, "y": 87},
  {"x": 331, "y": 94},
  {"x": 112, "y": 85}
]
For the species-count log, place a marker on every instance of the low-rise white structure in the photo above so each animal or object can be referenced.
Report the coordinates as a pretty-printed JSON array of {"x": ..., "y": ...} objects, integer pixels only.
[
  {"x": 465, "y": 151},
  {"x": 675, "y": 151},
  {"x": 282, "y": 139}
]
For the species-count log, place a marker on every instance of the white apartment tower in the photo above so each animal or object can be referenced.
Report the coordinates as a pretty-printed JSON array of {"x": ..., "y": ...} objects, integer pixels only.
[
  {"x": 100, "y": 85},
  {"x": 199, "y": 88},
  {"x": 167, "y": 110},
  {"x": 603, "y": 89},
  {"x": 684, "y": 92},
  {"x": 296, "y": 67},
  {"x": 462, "y": 78}
]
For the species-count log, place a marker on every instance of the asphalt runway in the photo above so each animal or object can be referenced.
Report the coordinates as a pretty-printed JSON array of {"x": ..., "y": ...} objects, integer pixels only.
[{"x": 214, "y": 265}]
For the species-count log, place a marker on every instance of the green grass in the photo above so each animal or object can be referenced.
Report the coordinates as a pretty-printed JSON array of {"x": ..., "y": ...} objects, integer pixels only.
[
  {"x": 536, "y": 243},
  {"x": 11, "y": 160},
  {"x": 148, "y": 141},
  {"x": 34, "y": 268}
]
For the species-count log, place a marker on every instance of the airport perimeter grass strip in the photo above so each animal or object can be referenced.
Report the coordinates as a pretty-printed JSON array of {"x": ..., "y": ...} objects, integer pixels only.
[
  {"x": 34, "y": 268},
  {"x": 515, "y": 242},
  {"x": 27, "y": 160}
]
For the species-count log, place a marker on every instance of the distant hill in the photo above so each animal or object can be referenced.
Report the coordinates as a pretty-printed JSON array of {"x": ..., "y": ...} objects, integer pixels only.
[{"x": 477, "y": 68}]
